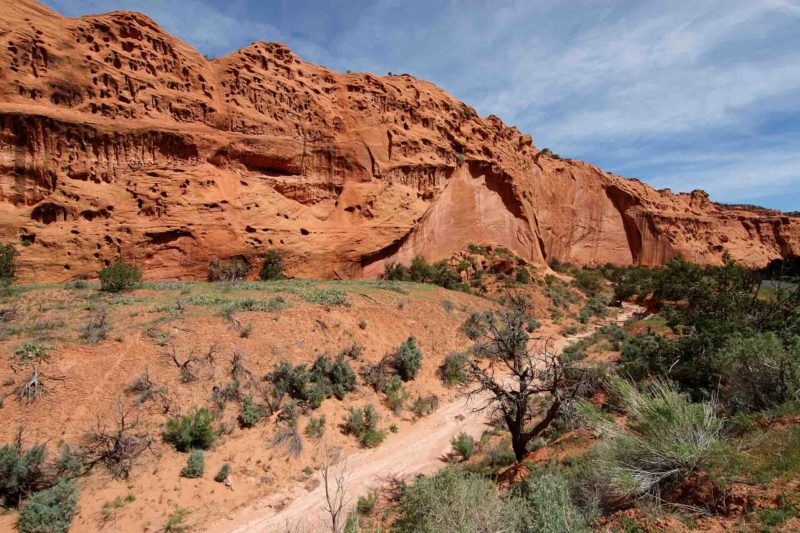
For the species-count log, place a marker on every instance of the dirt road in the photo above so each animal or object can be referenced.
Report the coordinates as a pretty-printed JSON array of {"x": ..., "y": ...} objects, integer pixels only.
[{"x": 419, "y": 450}]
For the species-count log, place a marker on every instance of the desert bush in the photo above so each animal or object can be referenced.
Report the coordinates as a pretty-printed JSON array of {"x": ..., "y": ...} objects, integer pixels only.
[
  {"x": 759, "y": 371},
  {"x": 51, "y": 510},
  {"x": 234, "y": 269},
  {"x": 116, "y": 448},
  {"x": 455, "y": 501},
  {"x": 316, "y": 427},
  {"x": 475, "y": 325},
  {"x": 395, "y": 272},
  {"x": 452, "y": 369},
  {"x": 96, "y": 327},
  {"x": 647, "y": 354},
  {"x": 291, "y": 438},
  {"x": 353, "y": 351},
  {"x": 498, "y": 456},
  {"x": 424, "y": 405},
  {"x": 407, "y": 359},
  {"x": 363, "y": 424},
  {"x": 551, "y": 508},
  {"x": 396, "y": 396},
  {"x": 463, "y": 445},
  {"x": 587, "y": 281},
  {"x": 120, "y": 276},
  {"x": 250, "y": 414},
  {"x": 366, "y": 504},
  {"x": 594, "y": 307},
  {"x": 522, "y": 276},
  {"x": 8, "y": 265},
  {"x": 272, "y": 267},
  {"x": 22, "y": 472},
  {"x": 191, "y": 431},
  {"x": 195, "y": 464},
  {"x": 31, "y": 352},
  {"x": 665, "y": 438},
  {"x": 223, "y": 473}
]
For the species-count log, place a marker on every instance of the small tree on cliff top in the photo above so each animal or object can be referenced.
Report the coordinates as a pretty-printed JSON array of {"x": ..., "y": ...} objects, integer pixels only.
[{"x": 516, "y": 377}]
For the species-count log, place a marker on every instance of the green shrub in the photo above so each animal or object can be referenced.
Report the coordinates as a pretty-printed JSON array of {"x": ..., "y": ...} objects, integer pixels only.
[
  {"x": 587, "y": 281},
  {"x": 21, "y": 473},
  {"x": 499, "y": 456},
  {"x": 195, "y": 464},
  {"x": 191, "y": 431},
  {"x": 272, "y": 267},
  {"x": 120, "y": 276},
  {"x": 550, "y": 505},
  {"x": 366, "y": 504},
  {"x": 664, "y": 440},
  {"x": 452, "y": 370},
  {"x": 647, "y": 354},
  {"x": 31, "y": 352},
  {"x": 363, "y": 424},
  {"x": 223, "y": 473},
  {"x": 475, "y": 325},
  {"x": 396, "y": 396},
  {"x": 250, "y": 414},
  {"x": 395, "y": 272},
  {"x": 289, "y": 380},
  {"x": 454, "y": 501},
  {"x": 407, "y": 359},
  {"x": 522, "y": 276},
  {"x": 463, "y": 445},
  {"x": 51, "y": 510},
  {"x": 759, "y": 371},
  {"x": 8, "y": 265},
  {"x": 316, "y": 427}
]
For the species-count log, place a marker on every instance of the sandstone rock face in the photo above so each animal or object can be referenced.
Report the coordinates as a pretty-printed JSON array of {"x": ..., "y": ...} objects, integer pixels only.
[{"x": 116, "y": 139}]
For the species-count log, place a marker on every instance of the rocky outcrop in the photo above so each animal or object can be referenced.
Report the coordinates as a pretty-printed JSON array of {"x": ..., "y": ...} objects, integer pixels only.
[{"x": 116, "y": 139}]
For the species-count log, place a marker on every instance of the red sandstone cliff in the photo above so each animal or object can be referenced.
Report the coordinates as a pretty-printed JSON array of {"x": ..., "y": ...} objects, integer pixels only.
[{"x": 118, "y": 139}]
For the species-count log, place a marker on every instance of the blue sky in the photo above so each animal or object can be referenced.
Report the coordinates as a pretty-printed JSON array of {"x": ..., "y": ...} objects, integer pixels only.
[{"x": 681, "y": 94}]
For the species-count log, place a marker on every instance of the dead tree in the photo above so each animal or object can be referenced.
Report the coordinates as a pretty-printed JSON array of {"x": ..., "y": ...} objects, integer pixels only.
[
  {"x": 145, "y": 390},
  {"x": 116, "y": 448},
  {"x": 335, "y": 493},
  {"x": 516, "y": 377},
  {"x": 187, "y": 374}
]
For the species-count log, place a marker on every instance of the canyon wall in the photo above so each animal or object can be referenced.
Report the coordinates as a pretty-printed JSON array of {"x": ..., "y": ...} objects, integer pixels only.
[{"x": 118, "y": 140}]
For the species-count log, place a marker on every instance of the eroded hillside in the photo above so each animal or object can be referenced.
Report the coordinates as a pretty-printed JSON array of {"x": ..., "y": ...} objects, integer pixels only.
[{"x": 120, "y": 140}]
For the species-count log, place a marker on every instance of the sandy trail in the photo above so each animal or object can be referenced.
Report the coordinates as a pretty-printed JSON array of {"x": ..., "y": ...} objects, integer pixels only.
[{"x": 421, "y": 449}]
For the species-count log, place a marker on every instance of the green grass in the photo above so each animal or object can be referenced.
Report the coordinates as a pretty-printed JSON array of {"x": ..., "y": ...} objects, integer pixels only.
[{"x": 757, "y": 457}]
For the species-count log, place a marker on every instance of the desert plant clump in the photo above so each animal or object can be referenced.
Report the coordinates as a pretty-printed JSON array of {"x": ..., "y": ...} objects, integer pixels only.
[
  {"x": 550, "y": 506},
  {"x": 396, "y": 396},
  {"x": 250, "y": 413},
  {"x": 407, "y": 359},
  {"x": 116, "y": 448},
  {"x": 363, "y": 424},
  {"x": 31, "y": 352},
  {"x": 272, "y": 267},
  {"x": 463, "y": 445},
  {"x": 665, "y": 439},
  {"x": 223, "y": 473},
  {"x": 96, "y": 327},
  {"x": 316, "y": 427},
  {"x": 120, "y": 276},
  {"x": 191, "y": 431},
  {"x": 452, "y": 370},
  {"x": 195, "y": 464},
  {"x": 424, "y": 405},
  {"x": 454, "y": 501},
  {"x": 51, "y": 510}
]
